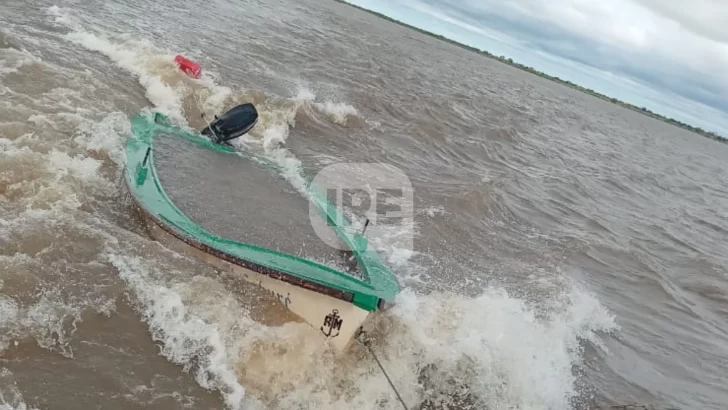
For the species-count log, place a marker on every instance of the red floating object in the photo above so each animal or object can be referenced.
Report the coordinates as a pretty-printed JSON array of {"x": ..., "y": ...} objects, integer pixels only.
[{"x": 189, "y": 67}]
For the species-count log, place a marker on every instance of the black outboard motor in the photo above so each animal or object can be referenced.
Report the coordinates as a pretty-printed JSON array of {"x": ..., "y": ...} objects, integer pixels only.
[{"x": 234, "y": 123}]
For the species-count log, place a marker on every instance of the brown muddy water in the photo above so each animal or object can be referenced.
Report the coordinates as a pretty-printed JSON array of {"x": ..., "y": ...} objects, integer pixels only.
[
  {"x": 222, "y": 193},
  {"x": 568, "y": 254}
]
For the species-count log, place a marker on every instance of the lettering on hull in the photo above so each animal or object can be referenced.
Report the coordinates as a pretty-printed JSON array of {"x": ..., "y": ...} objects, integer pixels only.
[
  {"x": 332, "y": 322},
  {"x": 285, "y": 300}
]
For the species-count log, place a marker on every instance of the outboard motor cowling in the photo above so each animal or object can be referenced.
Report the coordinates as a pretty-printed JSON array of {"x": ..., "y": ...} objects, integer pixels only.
[{"x": 234, "y": 123}]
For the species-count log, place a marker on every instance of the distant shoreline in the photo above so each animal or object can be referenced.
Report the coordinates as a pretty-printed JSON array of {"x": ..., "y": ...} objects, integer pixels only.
[{"x": 502, "y": 59}]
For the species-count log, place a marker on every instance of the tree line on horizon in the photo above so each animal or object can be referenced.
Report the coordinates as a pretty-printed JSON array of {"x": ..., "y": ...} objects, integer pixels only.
[{"x": 509, "y": 61}]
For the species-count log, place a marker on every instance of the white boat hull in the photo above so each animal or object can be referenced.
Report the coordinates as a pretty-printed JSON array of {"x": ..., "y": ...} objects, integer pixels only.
[{"x": 336, "y": 321}]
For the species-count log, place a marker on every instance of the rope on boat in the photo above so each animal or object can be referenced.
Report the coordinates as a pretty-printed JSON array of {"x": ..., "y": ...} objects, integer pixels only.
[
  {"x": 364, "y": 340},
  {"x": 202, "y": 114}
]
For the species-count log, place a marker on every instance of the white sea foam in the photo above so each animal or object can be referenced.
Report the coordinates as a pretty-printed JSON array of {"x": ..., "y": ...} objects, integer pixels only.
[
  {"x": 277, "y": 120},
  {"x": 338, "y": 112},
  {"x": 12, "y": 60},
  {"x": 436, "y": 347},
  {"x": 187, "y": 339},
  {"x": 166, "y": 87},
  {"x": 105, "y": 136},
  {"x": 62, "y": 17},
  {"x": 10, "y": 396},
  {"x": 50, "y": 320},
  {"x": 492, "y": 345},
  {"x": 431, "y": 211},
  {"x": 304, "y": 94},
  {"x": 79, "y": 166},
  {"x": 10, "y": 149},
  {"x": 156, "y": 72},
  {"x": 9, "y": 312},
  {"x": 138, "y": 57}
]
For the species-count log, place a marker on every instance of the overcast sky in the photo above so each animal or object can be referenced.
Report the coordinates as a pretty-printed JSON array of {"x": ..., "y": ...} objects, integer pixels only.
[{"x": 668, "y": 55}]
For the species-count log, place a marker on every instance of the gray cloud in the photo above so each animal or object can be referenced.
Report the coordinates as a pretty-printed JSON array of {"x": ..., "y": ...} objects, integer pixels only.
[
  {"x": 705, "y": 18},
  {"x": 670, "y": 44}
]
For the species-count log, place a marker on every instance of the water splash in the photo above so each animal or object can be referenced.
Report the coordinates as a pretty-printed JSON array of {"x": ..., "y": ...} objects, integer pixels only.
[
  {"x": 10, "y": 396},
  {"x": 186, "y": 338}
]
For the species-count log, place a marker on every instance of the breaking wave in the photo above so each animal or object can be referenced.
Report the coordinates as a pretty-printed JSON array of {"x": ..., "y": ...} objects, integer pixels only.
[
  {"x": 442, "y": 350},
  {"x": 187, "y": 339},
  {"x": 10, "y": 396},
  {"x": 184, "y": 99}
]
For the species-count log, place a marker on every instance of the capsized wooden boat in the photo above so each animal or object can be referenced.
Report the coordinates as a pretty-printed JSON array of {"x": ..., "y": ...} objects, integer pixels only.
[{"x": 331, "y": 300}]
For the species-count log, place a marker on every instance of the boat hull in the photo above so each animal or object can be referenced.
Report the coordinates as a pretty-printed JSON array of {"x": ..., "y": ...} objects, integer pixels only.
[
  {"x": 334, "y": 320},
  {"x": 331, "y": 300}
]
